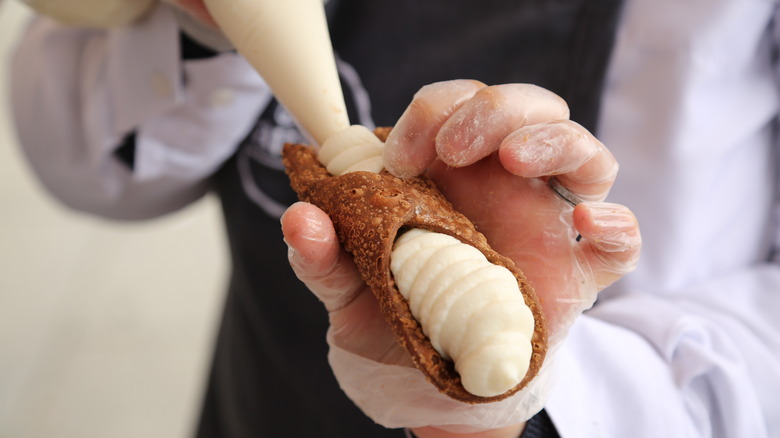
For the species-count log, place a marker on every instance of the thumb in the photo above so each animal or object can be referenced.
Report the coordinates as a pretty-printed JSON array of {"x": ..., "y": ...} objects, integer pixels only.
[
  {"x": 317, "y": 257},
  {"x": 319, "y": 261}
]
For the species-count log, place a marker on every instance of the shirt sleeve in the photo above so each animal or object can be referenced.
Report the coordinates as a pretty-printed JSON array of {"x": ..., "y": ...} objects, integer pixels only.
[
  {"x": 78, "y": 94},
  {"x": 702, "y": 363},
  {"x": 690, "y": 347}
]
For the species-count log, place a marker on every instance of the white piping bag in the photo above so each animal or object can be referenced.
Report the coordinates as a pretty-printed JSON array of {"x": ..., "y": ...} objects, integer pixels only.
[{"x": 288, "y": 43}]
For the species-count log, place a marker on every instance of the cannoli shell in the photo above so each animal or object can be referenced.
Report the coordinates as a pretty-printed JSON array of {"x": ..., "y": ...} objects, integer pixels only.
[{"x": 368, "y": 211}]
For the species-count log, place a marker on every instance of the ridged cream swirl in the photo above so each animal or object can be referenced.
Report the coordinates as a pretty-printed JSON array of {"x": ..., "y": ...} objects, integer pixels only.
[
  {"x": 471, "y": 310},
  {"x": 352, "y": 149}
]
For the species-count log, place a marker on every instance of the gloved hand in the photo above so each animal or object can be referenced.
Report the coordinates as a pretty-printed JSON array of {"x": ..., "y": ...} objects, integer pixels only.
[
  {"x": 196, "y": 21},
  {"x": 524, "y": 132},
  {"x": 196, "y": 9},
  {"x": 491, "y": 151}
]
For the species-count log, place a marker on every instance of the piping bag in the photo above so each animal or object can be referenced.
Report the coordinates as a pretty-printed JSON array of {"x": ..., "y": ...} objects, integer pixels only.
[{"x": 288, "y": 43}]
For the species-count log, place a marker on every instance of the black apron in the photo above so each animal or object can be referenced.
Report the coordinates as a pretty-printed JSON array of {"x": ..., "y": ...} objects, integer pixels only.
[{"x": 270, "y": 376}]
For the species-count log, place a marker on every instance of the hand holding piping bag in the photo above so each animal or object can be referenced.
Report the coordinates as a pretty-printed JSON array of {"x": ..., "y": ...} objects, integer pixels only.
[
  {"x": 523, "y": 218},
  {"x": 92, "y": 13},
  {"x": 196, "y": 9},
  {"x": 114, "y": 13}
]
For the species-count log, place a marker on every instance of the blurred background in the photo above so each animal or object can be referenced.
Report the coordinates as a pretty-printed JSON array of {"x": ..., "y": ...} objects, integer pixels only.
[{"x": 106, "y": 328}]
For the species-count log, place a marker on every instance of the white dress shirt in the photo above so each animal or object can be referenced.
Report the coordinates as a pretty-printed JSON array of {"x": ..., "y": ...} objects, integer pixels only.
[
  {"x": 688, "y": 345},
  {"x": 183, "y": 133}
]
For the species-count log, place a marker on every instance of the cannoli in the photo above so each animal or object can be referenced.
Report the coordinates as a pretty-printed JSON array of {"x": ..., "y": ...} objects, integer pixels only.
[{"x": 369, "y": 212}]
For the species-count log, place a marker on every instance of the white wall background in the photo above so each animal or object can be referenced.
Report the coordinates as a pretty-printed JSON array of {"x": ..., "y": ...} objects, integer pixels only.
[{"x": 105, "y": 327}]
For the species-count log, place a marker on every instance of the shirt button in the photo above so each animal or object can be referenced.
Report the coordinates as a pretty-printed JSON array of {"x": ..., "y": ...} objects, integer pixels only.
[
  {"x": 161, "y": 85},
  {"x": 221, "y": 97}
]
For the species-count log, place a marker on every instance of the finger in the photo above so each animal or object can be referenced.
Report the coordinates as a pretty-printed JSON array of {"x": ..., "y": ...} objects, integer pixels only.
[
  {"x": 564, "y": 148},
  {"x": 357, "y": 324},
  {"x": 479, "y": 126},
  {"x": 611, "y": 237},
  {"x": 317, "y": 257},
  {"x": 409, "y": 148},
  {"x": 197, "y": 9},
  {"x": 360, "y": 328}
]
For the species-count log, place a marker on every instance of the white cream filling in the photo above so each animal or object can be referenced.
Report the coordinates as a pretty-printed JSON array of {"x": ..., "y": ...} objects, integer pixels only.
[
  {"x": 478, "y": 319},
  {"x": 352, "y": 149}
]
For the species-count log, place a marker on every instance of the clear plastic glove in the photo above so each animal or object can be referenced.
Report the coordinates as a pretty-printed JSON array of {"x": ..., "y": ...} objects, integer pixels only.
[
  {"x": 196, "y": 21},
  {"x": 491, "y": 150},
  {"x": 196, "y": 9},
  {"x": 496, "y": 148}
]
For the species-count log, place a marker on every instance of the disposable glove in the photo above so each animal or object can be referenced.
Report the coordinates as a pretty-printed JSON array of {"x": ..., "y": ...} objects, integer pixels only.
[{"x": 492, "y": 151}]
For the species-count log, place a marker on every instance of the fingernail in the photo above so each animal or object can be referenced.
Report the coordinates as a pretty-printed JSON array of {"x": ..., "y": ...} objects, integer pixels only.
[
  {"x": 312, "y": 229},
  {"x": 608, "y": 215},
  {"x": 306, "y": 227},
  {"x": 613, "y": 224}
]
